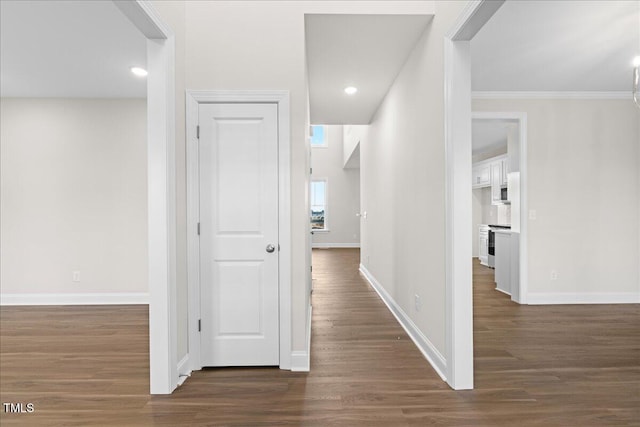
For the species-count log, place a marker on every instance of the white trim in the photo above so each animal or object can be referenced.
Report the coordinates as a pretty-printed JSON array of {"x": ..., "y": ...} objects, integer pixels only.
[
  {"x": 182, "y": 379},
  {"x": 193, "y": 242},
  {"x": 162, "y": 216},
  {"x": 335, "y": 245},
  {"x": 539, "y": 298},
  {"x": 301, "y": 360},
  {"x": 184, "y": 369},
  {"x": 161, "y": 132},
  {"x": 281, "y": 98},
  {"x": 472, "y": 18},
  {"x": 458, "y": 238},
  {"x": 521, "y": 118},
  {"x": 458, "y": 193},
  {"x": 549, "y": 95},
  {"x": 284, "y": 226},
  {"x": 425, "y": 346},
  {"x": 144, "y": 17},
  {"x": 117, "y": 298}
]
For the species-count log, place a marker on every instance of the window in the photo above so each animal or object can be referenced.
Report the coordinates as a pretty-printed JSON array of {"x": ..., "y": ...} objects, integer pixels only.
[
  {"x": 319, "y": 136},
  {"x": 319, "y": 204}
]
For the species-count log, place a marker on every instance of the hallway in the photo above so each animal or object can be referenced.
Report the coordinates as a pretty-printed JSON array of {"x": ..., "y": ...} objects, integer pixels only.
[
  {"x": 535, "y": 365},
  {"x": 365, "y": 370}
]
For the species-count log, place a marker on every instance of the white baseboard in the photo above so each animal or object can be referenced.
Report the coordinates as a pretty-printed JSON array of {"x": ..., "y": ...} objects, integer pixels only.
[
  {"x": 503, "y": 291},
  {"x": 184, "y": 369},
  {"x": 425, "y": 346},
  {"x": 301, "y": 360},
  {"x": 335, "y": 245},
  {"x": 538, "y": 298},
  {"x": 75, "y": 299}
]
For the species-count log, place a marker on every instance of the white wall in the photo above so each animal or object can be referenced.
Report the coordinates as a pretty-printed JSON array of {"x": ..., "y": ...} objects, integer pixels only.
[
  {"x": 583, "y": 169},
  {"x": 231, "y": 45},
  {"x": 74, "y": 197},
  {"x": 403, "y": 184},
  {"x": 353, "y": 136},
  {"x": 236, "y": 45},
  {"x": 343, "y": 193}
]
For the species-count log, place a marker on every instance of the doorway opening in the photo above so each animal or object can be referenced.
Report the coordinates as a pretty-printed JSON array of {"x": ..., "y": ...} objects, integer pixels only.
[
  {"x": 334, "y": 192},
  {"x": 499, "y": 235}
]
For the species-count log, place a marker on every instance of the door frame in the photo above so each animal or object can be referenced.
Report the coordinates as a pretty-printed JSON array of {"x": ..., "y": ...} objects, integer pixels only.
[
  {"x": 521, "y": 118},
  {"x": 457, "y": 141},
  {"x": 281, "y": 98},
  {"x": 161, "y": 176}
]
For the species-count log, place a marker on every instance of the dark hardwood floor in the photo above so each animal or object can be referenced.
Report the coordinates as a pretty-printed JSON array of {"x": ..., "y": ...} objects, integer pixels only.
[{"x": 535, "y": 365}]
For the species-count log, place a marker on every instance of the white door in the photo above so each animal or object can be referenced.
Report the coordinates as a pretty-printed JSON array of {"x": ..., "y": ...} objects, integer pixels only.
[{"x": 239, "y": 234}]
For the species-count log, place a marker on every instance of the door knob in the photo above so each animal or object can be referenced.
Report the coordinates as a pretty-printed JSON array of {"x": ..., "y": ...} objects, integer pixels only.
[{"x": 270, "y": 248}]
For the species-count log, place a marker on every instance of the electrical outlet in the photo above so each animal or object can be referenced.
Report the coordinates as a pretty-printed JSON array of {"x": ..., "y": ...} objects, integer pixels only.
[
  {"x": 417, "y": 302},
  {"x": 533, "y": 214},
  {"x": 76, "y": 276},
  {"x": 554, "y": 275}
]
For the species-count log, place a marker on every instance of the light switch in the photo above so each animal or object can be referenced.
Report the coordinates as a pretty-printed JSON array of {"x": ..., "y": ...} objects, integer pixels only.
[{"x": 532, "y": 214}]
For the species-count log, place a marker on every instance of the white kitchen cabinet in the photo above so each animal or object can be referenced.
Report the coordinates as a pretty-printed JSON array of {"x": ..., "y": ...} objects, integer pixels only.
[
  {"x": 496, "y": 181},
  {"x": 503, "y": 261},
  {"x": 494, "y": 173},
  {"x": 481, "y": 175},
  {"x": 483, "y": 244},
  {"x": 504, "y": 163}
]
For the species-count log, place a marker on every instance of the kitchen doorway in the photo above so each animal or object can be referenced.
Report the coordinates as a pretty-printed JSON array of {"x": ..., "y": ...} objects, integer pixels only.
[{"x": 499, "y": 178}]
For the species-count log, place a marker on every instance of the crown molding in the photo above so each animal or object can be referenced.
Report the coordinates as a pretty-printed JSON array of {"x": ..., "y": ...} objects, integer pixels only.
[{"x": 550, "y": 95}]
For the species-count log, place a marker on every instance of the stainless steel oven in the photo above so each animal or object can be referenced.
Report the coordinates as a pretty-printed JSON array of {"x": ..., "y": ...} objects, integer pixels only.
[{"x": 491, "y": 249}]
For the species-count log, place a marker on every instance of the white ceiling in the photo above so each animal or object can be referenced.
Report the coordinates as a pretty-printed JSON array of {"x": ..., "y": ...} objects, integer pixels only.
[
  {"x": 526, "y": 46},
  {"x": 557, "y": 46},
  {"x": 85, "y": 49},
  {"x": 69, "y": 49},
  {"x": 365, "y": 51}
]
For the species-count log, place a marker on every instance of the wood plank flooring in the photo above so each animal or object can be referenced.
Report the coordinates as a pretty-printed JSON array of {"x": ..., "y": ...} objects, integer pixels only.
[{"x": 535, "y": 365}]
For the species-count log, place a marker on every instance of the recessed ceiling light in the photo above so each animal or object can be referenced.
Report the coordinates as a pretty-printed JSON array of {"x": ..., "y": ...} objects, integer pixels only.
[
  {"x": 636, "y": 61},
  {"x": 350, "y": 90},
  {"x": 140, "y": 72}
]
